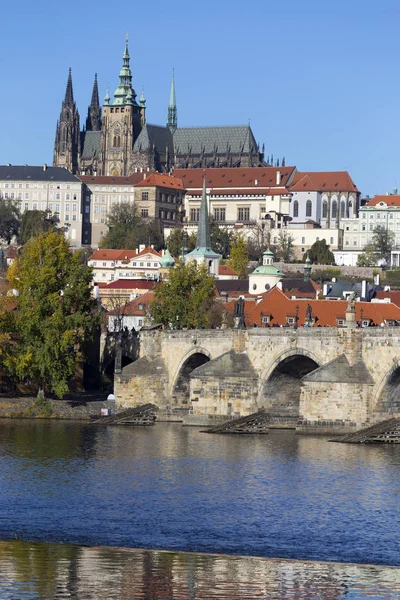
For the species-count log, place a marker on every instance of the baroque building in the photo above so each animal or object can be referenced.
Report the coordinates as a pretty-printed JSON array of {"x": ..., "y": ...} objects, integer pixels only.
[{"x": 117, "y": 141}]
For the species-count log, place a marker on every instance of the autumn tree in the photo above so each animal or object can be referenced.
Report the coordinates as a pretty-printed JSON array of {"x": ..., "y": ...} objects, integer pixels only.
[
  {"x": 54, "y": 315},
  {"x": 185, "y": 299},
  {"x": 9, "y": 220},
  {"x": 239, "y": 257},
  {"x": 127, "y": 229}
]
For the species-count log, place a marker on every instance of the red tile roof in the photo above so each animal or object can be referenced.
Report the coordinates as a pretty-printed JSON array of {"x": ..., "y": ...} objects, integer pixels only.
[
  {"x": 226, "y": 270},
  {"x": 394, "y": 296},
  {"x": 389, "y": 200},
  {"x": 329, "y": 181},
  {"x": 325, "y": 312},
  {"x": 132, "y": 308},
  {"x": 110, "y": 180},
  {"x": 162, "y": 180},
  {"x": 131, "y": 284},
  {"x": 232, "y": 178},
  {"x": 149, "y": 250},
  {"x": 105, "y": 254}
]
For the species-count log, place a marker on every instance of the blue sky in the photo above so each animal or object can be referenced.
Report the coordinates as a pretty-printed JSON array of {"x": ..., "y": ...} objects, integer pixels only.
[{"x": 318, "y": 79}]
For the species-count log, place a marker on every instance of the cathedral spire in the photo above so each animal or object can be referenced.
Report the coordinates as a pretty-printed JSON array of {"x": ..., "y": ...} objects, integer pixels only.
[
  {"x": 125, "y": 80},
  {"x": 69, "y": 92},
  {"x": 203, "y": 231},
  {"x": 93, "y": 120},
  {"x": 172, "y": 119}
]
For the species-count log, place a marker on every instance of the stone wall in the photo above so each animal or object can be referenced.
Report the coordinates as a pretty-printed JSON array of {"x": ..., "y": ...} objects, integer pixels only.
[
  {"x": 142, "y": 382},
  {"x": 363, "y": 272}
]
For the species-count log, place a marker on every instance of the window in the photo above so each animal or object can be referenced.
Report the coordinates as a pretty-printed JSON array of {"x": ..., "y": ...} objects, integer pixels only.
[
  {"x": 295, "y": 208},
  {"x": 26, "y": 206},
  {"x": 67, "y": 207},
  {"x": 265, "y": 320},
  {"x": 244, "y": 214},
  {"x": 303, "y": 240},
  {"x": 148, "y": 264},
  {"x": 290, "y": 320},
  {"x": 145, "y": 213},
  {"x": 364, "y": 215},
  {"x": 324, "y": 209},
  {"x": 219, "y": 214},
  {"x": 340, "y": 322},
  {"x": 342, "y": 209},
  {"x": 34, "y": 206},
  {"x": 363, "y": 227},
  {"x": 67, "y": 196},
  {"x": 58, "y": 196},
  {"x": 103, "y": 198},
  {"x": 371, "y": 227},
  {"x": 57, "y": 207},
  {"x": 145, "y": 195},
  {"x": 194, "y": 214},
  {"x": 334, "y": 209},
  {"x": 74, "y": 217},
  {"x": 331, "y": 241},
  {"x": 67, "y": 217},
  {"x": 74, "y": 208},
  {"x": 308, "y": 208}
]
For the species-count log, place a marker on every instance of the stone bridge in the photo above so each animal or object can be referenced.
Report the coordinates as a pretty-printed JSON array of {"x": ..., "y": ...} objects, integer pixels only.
[{"x": 319, "y": 378}]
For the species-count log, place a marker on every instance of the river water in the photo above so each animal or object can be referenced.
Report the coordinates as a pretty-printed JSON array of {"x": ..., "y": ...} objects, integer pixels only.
[{"x": 278, "y": 496}]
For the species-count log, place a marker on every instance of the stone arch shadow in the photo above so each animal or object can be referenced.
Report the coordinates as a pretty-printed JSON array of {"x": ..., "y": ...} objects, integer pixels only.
[
  {"x": 390, "y": 377},
  {"x": 287, "y": 385},
  {"x": 188, "y": 359}
]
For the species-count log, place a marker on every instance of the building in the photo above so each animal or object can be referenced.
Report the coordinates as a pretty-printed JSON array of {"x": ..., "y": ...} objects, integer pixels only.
[
  {"x": 112, "y": 265},
  {"x": 131, "y": 315},
  {"x": 117, "y": 293},
  {"x": 160, "y": 197},
  {"x": 266, "y": 276},
  {"x": 118, "y": 140},
  {"x": 323, "y": 197},
  {"x": 241, "y": 198},
  {"x": 46, "y": 188},
  {"x": 383, "y": 211}
]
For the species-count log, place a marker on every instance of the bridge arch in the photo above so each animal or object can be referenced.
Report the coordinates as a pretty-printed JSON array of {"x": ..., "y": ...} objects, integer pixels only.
[
  {"x": 387, "y": 390},
  {"x": 279, "y": 389},
  {"x": 179, "y": 387}
]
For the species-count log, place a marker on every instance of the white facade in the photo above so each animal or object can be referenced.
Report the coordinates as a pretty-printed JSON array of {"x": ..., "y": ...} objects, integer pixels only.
[
  {"x": 383, "y": 211},
  {"x": 328, "y": 209}
]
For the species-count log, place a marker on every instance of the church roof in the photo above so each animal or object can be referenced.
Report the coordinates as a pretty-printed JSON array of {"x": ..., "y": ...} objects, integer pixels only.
[
  {"x": 91, "y": 144},
  {"x": 158, "y": 135},
  {"x": 255, "y": 180},
  {"x": 43, "y": 173},
  {"x": 319, "y": 181},
  {"x": 195, "y": 140}
]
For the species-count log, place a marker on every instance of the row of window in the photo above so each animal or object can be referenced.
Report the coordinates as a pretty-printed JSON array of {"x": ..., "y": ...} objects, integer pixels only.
[
  {"x": 378, "y": 215},
  {"x": 35, "y": 186},
  {"x": 334, "y": 209},
  {"x": 103, "y": 198},
  {"x": 35, "y": 196},
  {"x": 243, "y": 214},
  {"x": 134, "y": 264}
]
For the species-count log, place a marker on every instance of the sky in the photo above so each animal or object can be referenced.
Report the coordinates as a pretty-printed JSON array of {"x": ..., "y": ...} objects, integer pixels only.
[{"x": 318, "y": 79}]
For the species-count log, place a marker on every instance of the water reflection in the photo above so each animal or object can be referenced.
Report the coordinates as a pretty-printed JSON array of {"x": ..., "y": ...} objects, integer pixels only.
[
  {"x": 169, "y": 487},
  {"x": 51, "y": 572}
]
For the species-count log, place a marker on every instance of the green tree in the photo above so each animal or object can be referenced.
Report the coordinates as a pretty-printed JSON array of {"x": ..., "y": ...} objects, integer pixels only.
[
  {"x": 185, "y": 299},
  {"x": 382, "y": 243},
  {"x": 221, "y": 238},
  {"x": 320, "y": 254},
  {"x": 368, "y": 258},
  {"x": 239, "y": 257},
  {"x": 35, "y": 222},
  {"x": 54, "y": 314},
  {"x": 127, "y": 229},
  {"x": 285, "y": 246},
  {"x": 9, "y": 219}
]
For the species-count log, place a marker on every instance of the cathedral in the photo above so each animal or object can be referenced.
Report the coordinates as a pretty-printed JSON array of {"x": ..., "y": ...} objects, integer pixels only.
[{"x": 117, "y": 140}]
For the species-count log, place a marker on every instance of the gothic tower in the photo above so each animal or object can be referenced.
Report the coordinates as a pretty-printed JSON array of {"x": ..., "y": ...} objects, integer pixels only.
[
  {"x": 172, "y": 119},
  {"x": 123, "y": 119},
  {"x": 93, "y": 120},
  {"x": 67, "y": 142}
]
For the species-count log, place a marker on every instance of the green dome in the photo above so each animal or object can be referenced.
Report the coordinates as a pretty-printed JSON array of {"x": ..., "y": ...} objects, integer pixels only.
[
  {"x": 166, "y": 261},
  {"x": 268, "y": 270}
]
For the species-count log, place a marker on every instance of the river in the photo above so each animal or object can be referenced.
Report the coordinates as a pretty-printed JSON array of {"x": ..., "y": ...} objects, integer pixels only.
[{"x": 278, "y": 496}]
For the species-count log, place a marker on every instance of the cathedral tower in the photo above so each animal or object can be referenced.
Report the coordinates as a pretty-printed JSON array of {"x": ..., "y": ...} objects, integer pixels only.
[
  {"x": 67, "y": 142},
  {"x": 122, "y": 123},
  {"x": 93, "y": 120}
]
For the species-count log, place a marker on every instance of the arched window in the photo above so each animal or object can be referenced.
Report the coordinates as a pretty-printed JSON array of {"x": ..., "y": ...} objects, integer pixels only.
[
  {"x": 342, "y": 209},
  {"x": 116, "y": 141},
  {"x": 324, "y": 209},
  {"x": 331, "y": 242},
  {"x": 303, "y": 240},
  {"x": 308, "y": 208},
  {"x": 334, "y": 209},
  {"x": 295, "y": 208}
]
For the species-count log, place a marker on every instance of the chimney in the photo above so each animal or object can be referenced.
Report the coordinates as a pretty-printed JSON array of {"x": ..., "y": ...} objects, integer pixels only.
[
  {"x": 144, "y": 175},
  {"x": 325, "y": 289},
  {"x": 279, "y": 285},
  {"x": 278, "y": 178},
  {"x": 363, "y": 290},
  {"x": 141, "y": 247},
  {"x": 44, "y": 167},
  {"x": 96, "y": 292},
  {"x": 256, "y": 182}
]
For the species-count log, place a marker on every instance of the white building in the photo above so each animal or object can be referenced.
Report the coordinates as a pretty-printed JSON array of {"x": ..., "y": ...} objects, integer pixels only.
[
  {"x": 46, "y": 188},
  {"x": 323, "y": 197},
  {"x": 113, "y": 265}
]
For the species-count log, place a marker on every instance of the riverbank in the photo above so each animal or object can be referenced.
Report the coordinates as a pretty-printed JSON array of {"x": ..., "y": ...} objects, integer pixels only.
[{"x": 80, "y": 407}]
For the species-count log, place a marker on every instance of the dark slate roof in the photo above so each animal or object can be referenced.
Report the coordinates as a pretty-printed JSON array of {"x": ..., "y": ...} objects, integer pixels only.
[
  {"x": 232, "y": 285},
  {"x": 339, "y": 287},
  {"x": 154, "y": 134},
  {"x": 91, "y": 144},
  {"x": 236, "y": 139},
  {"x": 298, "y": 284},
  {"x": 339, "y": 370},
  {"x": 25, "y": 173}
]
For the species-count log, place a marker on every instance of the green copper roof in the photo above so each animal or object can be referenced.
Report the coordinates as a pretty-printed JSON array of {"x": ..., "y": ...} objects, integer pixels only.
[
  {"x": 268, "y": 270},
  {"x": 167, "y": 261},
  {"x": 121, "y": 96},
  {"x": 203, "y": 242},
  {"x": 172, "y": 117}
]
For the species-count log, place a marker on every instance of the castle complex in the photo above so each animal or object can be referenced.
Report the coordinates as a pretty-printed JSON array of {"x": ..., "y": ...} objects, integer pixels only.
[{"x": 117, "y": 141}]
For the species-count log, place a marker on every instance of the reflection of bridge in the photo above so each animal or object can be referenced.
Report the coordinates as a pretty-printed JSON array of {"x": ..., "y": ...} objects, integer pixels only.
[{"x": 323, "y": 378}]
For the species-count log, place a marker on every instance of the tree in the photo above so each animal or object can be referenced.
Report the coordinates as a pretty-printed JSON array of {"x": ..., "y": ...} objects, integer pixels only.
[
  {"x": 221, "y": 238},
  {"x": 382, "y": 243},
  {"x": 127, "y": 229},
  {"x": 320, "y": 254},
  {"x": 239, "y": 257},
  {"x": 259, "y": 240},
  {"x": 35, "y": 222},
  {"x": 54, "y": 315},
  {"x": 368, "y": 258},
  {"x": 284, "y": 246},
  {"x": 9, "y": 219},
  {"x": 184, "y": 300}
]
